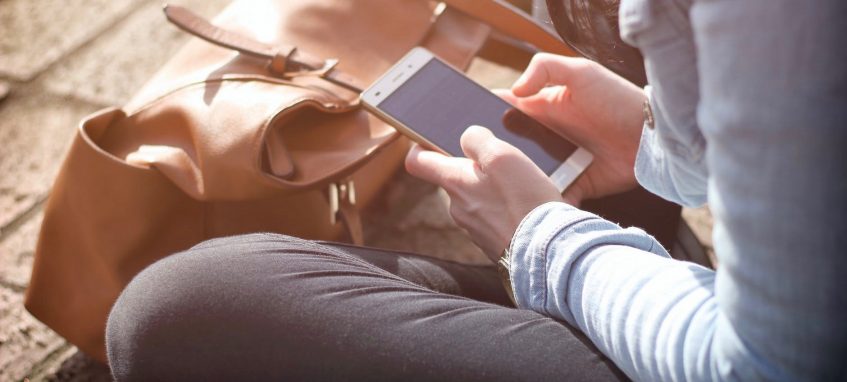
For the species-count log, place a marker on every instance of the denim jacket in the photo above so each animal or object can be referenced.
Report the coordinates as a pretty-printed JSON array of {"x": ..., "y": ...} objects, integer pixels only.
[{"x": 750, "y": 106}]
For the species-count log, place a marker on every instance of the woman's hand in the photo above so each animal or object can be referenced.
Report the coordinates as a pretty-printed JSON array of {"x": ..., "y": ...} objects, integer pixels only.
[
  {"x": 490, "y": 191},
  {"x": 591, "y": 106},
  {"x": 496, "y": 186}
]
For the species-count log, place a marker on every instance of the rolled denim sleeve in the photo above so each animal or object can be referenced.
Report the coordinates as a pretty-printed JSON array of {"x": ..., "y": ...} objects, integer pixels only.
[
  {"x": 541, "y": 265},
  {"x": 646, "y": 311}
]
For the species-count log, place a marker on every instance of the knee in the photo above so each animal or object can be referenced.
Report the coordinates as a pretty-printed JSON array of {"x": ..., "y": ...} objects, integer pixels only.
[
  {"x": 184, "y": 302},
  {"x": 149, "y": 311}
]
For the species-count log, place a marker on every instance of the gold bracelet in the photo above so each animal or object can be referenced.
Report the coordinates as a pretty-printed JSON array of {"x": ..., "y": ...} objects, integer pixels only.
[{"x": 504, "y": 266}]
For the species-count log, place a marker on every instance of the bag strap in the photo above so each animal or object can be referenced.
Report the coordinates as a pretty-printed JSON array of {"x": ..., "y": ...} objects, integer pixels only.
[
  {"x": 285, "y": 60},
  {"x": 289, "y": 61},
  {"x": 513, "y": 22}
]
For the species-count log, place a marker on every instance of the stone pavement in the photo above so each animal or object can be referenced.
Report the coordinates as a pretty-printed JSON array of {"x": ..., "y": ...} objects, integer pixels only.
[{"x": 63, "y": 59}]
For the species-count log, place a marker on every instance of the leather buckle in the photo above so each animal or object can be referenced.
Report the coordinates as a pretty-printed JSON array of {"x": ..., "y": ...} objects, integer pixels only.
[
  {"x": 321, "y": 72},
  {"x": 439, "y": 9},
  {"x": 340, "y": 193}
]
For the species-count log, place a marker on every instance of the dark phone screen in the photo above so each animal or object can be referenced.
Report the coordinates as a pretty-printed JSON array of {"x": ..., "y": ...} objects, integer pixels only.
[{"x": 439, "y": 103}]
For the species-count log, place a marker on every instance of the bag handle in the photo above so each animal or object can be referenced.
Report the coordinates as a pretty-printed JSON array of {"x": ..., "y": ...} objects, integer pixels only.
[
  {"x": 285, "y": 60},
  {"x": 513, "y": 22},
  {"x": 290, "y": 61}
]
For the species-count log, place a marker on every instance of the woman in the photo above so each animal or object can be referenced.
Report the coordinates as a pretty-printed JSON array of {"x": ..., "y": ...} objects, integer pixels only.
[{"x": 745, "y": 111}]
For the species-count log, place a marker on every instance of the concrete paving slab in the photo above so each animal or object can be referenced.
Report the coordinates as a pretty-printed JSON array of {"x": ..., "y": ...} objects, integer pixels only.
[
  {"x": 454, "y": 245},
  {"x": 52, "y": 364},
  {"x": 492, "y": 75},
  {"x": 415, "y": 218},
  {"x": 37, "y": 33},
  {"x": 24, "y": 342},
  {"x": 16, "y": 253},
  {"x": 72, "y": 365},
  {"x": 35, "y": 130},
  {"x": 114, "y": 66}
]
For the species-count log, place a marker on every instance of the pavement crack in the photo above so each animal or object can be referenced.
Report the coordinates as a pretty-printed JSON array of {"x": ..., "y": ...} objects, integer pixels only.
[
  {"x": 86, "y": 41},
  {"x": 43, "y": 370},
  {"x": 12, "y": 287}
]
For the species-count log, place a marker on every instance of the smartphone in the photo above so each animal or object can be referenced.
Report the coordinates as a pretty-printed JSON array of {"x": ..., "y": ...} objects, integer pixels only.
[{"x": 433, "y": 104}]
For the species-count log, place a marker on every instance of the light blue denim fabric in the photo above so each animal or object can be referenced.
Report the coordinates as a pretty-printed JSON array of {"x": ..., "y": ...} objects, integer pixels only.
[{"x": 750, "y": 100}]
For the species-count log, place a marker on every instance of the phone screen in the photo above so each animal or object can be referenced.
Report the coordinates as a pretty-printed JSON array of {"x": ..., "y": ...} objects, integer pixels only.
[{"x": 439, "y": 103}]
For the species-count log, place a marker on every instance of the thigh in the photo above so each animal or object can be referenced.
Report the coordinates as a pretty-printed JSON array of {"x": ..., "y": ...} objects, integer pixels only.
[
  {"x": 269, "y": 307},
  {"x": 476, "y": 282}
]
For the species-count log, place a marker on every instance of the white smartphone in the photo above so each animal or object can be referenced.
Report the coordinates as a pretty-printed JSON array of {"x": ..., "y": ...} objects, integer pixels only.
[{"x": 433, "y": 104}]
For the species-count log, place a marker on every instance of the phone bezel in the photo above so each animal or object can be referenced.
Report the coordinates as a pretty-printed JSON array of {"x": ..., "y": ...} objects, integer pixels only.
[{"x": 410, "y": 64}]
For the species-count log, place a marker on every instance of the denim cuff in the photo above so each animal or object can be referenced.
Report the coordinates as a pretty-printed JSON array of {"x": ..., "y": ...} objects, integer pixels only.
[
  {"x": 547, "y": 244},
  {"x": 529, "y": 250},
  {"x": 665, "y": 167}
]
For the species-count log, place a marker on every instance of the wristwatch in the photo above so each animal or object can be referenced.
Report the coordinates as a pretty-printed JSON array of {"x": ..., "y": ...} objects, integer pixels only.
[{"x": 503, "y": 266}]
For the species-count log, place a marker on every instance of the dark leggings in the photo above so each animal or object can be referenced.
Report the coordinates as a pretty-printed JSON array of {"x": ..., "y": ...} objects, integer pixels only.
[{"x": 272, "y": 307}]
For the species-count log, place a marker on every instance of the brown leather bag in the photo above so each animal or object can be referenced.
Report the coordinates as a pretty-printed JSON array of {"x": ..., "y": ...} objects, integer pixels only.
[{"x": 240, "y": 136}]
